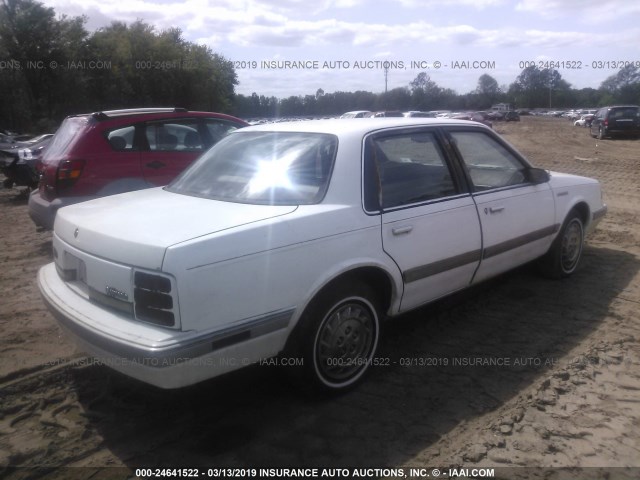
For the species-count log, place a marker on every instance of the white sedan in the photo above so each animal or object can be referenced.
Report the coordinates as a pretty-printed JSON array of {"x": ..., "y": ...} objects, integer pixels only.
[{"x": 293, "y": 241}]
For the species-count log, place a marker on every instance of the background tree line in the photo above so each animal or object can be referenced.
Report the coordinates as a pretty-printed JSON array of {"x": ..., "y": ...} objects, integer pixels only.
[
  {"x": 46, "y": 73},
  {"x": 51, "y": 67},
  {"x": 533, "y": 88}
]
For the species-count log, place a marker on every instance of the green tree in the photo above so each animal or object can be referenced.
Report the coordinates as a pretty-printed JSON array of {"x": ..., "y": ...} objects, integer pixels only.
[
  {"x": 539, "y": 88},
  {"x": 425, "y": 93},
  {"x": 488, "y": 92},
  {"x": 623, "y": 87},
  {"x": 159, "y": 69},
  {"x": 39, "y": 46}
]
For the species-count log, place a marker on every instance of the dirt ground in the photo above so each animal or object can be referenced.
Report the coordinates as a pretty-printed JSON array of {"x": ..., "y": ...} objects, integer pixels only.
[{"x": 563, "y": 389}]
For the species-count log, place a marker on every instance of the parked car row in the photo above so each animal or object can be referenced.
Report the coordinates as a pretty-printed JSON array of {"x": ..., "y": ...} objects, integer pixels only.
[
  {"x": 584, "y": 120},
  {"x": 481, "y": 117},
  {"x": 292, "y": 239},
  {"x": 578, "y": 113},
  {"x": 610, "y": 121}
]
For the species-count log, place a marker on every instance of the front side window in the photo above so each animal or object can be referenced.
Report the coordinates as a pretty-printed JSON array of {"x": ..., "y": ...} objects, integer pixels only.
[
  {"x": 489, "y": 163},
  {"x": 271, "y": 168},
  {"x": 410, "y": 168}
]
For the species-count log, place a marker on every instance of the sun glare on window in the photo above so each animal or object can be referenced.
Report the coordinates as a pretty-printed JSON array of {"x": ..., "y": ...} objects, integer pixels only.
[{"x": 272, "y": 174}]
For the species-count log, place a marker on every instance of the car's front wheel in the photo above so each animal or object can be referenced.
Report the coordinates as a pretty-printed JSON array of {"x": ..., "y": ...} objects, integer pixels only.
[
  {"x": 338, "y": 336},
  {"x": 563, "y": 257}
]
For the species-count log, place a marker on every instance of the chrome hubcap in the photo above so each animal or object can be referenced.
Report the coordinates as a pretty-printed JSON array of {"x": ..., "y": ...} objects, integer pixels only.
[
  {"x": 345, "y": 341},
  {"x": 571, "y": 245}
]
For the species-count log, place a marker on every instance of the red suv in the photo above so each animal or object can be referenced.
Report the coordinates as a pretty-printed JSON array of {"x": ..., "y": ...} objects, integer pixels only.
[{"x": 104, "y": 153}]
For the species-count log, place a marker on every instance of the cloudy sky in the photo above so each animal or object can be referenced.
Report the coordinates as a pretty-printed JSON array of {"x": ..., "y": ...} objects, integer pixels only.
[{"x": 341, "y": 45}]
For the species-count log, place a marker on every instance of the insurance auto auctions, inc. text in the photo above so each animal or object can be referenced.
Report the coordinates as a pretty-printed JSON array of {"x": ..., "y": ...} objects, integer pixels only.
[{"x": 362, "y": 65}]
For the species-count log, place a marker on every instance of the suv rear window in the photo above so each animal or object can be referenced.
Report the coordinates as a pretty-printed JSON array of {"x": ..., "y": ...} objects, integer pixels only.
[
  {"x": 65, "y": 135},
  {"x": 624, "y": 112}
]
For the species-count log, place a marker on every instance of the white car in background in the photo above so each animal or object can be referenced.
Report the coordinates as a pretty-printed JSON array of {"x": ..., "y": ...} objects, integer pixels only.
[
  {"x": 356, "y": 114},
  {"x": 297, "y": 239},
  {"x": 584, "y": 121}
]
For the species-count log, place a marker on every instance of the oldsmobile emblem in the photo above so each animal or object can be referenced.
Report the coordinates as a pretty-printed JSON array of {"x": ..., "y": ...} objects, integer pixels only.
[
  {"x": 117, "y": 294},
  {"x": 76, "y": 232}
]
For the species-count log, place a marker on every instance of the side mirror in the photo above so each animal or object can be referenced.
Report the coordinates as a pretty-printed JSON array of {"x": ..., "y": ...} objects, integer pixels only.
[{"x": 537, "y": 176}]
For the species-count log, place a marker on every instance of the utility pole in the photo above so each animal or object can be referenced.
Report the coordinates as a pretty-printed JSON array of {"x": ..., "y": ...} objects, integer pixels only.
[{"x": 386, "y": 75}]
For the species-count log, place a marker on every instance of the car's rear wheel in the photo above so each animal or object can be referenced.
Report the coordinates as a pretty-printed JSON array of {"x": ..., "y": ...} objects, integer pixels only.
[
  {"x": 563, "y": 257},
  {"x": 337, "y": 336},
  {"x": 600, "y": 133}
]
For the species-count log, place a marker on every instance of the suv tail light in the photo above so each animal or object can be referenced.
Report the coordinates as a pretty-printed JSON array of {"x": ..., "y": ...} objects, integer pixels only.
[{"x": 68, "y": 173}]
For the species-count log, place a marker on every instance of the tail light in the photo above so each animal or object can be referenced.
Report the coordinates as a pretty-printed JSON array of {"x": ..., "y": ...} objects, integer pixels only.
[
  {"x": 153, "y": 299},
  {"x": 68, "y": 173}
]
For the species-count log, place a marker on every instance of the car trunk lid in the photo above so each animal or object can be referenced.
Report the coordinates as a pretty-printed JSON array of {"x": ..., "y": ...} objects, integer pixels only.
[{"x": 136, "y": 228}]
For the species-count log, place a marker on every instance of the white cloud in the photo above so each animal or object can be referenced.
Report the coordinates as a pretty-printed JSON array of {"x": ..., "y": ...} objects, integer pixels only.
[
  {"x": 588, "y": 11},
  {"x": 390, "y": 29},
  {"x": 280, "y": 23},
  {"x": 478, "y": 4}
]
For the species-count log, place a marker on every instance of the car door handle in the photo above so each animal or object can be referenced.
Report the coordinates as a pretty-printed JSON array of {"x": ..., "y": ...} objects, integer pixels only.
[
  {"x": 402, "y": 230},
  {"x": 155, "y": 164},
  {"x": 494, "y": 210}
]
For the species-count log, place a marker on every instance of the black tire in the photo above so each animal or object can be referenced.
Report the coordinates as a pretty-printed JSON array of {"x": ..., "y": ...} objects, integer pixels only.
[
  {"x": 337, "y": 337},
  {"x": 563, "y": 257},
  {"x": 600, "y": 133}
]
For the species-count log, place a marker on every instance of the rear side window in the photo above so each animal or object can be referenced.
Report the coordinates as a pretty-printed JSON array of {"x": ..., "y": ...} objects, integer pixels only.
[
  {"x": 186, "y": 135},
  {"x": 410, "y": 168},
  {"x": 65, "y": 135},
  {"x": 122, "y": 138},
  {"x": 174, "y": 135}
]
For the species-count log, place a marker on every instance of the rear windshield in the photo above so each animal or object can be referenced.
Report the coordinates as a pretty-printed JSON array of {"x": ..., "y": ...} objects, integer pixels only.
[
  {"x": 272, "y": 168},
  {"x": 624, "y": 112},
  {"x": 64, "y": 136}
]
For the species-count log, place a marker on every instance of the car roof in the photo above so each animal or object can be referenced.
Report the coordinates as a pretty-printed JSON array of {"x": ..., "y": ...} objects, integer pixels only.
[
  {"x": 362, "y": 126},
  {"x": 154, "y": 114}
]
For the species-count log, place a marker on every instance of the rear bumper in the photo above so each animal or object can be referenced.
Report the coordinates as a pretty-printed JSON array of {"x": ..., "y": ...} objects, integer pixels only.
[
  {"x": 43, "y": 212},
  {"x": 622, "y": 132},
  {"x": 161, "y": 357}
]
